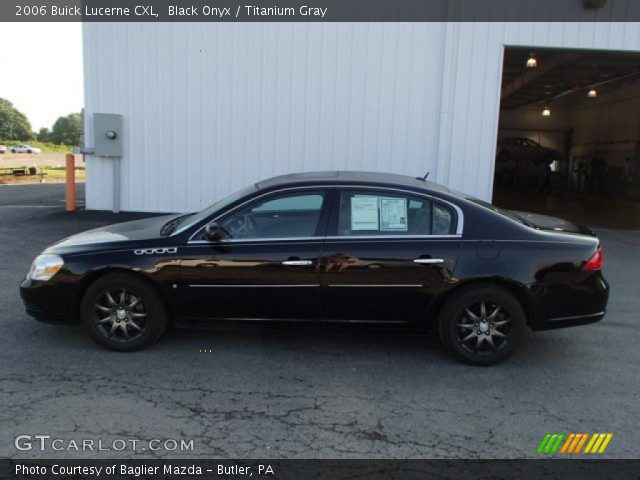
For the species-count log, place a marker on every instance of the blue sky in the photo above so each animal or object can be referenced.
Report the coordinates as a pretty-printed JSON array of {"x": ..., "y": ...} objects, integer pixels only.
[{"x": 41, "y": 69}]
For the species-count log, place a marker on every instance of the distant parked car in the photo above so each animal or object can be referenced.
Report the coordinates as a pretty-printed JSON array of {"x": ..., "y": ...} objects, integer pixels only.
[
  {"x": 25, "y": 149},
  {"x": 526, "y": 149},
  {"x": 3, "y": 149}
]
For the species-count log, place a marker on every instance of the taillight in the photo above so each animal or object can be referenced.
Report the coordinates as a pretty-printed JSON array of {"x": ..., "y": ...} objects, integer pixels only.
[{"x": 596, "y": 262}]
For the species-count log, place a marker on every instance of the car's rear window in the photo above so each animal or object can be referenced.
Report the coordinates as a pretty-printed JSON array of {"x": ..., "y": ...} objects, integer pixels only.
[{"x": 502, "y": 211}]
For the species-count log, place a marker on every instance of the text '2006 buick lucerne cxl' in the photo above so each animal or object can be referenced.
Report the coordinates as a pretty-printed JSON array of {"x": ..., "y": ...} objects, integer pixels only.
[{"x": 328, "y": 248}]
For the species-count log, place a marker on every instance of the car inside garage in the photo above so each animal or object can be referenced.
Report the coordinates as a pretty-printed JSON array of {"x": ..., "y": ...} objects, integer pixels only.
[{"x": 569, "y": 135}]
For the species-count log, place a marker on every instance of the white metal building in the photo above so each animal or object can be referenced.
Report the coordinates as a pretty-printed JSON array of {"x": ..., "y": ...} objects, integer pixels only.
[{"x": 211, "y": 107}]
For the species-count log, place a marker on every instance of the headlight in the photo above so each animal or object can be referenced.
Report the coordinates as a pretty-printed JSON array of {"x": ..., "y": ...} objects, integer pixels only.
[{"x": 45, "y": 266}]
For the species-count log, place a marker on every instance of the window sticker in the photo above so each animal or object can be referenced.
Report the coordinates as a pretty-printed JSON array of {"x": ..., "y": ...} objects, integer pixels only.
[
  {"x": 364, "y": 212},
  {"x": 393, "y": 214}
]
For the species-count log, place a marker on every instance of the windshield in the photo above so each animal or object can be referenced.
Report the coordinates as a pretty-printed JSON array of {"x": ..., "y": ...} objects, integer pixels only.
[
  {"x": 502, "y": 211},
  {"x": 187, "y": 221}
]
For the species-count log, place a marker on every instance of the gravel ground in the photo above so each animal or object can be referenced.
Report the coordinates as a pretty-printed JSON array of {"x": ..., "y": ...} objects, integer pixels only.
[{"x": 306, "y": 394}]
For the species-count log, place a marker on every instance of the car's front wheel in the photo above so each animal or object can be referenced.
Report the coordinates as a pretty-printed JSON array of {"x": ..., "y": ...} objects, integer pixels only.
[
  {"x": 481, "y": 324},
  {"x": 123, "y": 312}
]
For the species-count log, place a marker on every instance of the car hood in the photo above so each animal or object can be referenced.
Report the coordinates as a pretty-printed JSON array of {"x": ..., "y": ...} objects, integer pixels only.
[
  {"x": 546, "y": 222},
  {"x": 112, "y": 235}
]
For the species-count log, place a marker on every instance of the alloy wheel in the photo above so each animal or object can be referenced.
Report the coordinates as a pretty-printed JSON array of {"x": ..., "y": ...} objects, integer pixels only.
[
  {"x": 121, "y": 315},
  {"x": 483, "y": 328}
]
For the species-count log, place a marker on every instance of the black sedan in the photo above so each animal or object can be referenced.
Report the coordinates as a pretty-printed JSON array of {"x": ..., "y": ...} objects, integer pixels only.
[{"x": 330, "y": 248}]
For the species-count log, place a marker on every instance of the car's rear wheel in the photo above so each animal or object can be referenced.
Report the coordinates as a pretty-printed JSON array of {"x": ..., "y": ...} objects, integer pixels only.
[
  {"x": 123, "y": 312},
  {"x": 13, "y": 150},
  {"x": 481, "y": 324},
  {"x": 28, "y": 151}
]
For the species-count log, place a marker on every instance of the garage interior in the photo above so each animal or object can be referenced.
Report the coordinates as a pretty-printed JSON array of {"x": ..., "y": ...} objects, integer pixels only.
[{"x": 569, "y": 135}]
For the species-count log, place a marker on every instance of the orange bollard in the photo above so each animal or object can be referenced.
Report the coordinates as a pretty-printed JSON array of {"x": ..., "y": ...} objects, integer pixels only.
[{"x": 71, "y": 182}]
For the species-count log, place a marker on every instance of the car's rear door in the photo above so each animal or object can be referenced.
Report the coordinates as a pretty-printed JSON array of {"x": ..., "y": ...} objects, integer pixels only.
[
  {"x": 267, "y": 268},
  {"x": 386, "y": 256}
]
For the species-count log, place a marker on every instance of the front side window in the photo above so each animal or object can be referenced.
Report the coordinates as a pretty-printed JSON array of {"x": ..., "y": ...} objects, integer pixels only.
[
  {"x": 380, "y": 213},
  {"x": 282, "y": 216},
  {"x": 187, "y": 221}
]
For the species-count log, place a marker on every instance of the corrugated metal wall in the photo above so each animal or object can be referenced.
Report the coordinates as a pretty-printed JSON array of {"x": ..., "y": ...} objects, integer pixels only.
[{"x": 209, "y": 108}]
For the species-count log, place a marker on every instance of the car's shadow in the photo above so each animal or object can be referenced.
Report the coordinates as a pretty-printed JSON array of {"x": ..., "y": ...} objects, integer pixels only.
[{"x": 308, "y": 346}]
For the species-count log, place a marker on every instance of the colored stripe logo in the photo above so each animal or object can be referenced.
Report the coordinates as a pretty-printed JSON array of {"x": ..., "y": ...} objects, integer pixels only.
[{"x": 573, "y": 443}]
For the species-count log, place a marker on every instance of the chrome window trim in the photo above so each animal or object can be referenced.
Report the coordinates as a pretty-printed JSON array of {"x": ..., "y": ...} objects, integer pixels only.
[
  {"x": 391, "y": 237},
  {"x": 331, "y": 285},
  {"x": 331, "y": 239},
  {"x": 458, "y": 210},
  {"x": 262, "y": 240},
  {"x": 340, "y": 285},
  {"x": 225, "y": 285}
]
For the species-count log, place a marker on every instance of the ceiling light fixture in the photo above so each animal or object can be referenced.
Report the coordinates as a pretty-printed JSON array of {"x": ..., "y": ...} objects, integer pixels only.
[
  {"x": 546, "y": 112},
  {"x": 592, "y": 93},
  {"x": 532, "y": 62}
]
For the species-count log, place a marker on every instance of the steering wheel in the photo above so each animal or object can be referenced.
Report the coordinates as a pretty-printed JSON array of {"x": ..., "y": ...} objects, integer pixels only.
[{"x": 243, "y": 226}]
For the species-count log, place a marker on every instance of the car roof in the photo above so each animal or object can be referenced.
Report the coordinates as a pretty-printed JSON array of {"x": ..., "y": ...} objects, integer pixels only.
[{"x": 351, "y": 177}]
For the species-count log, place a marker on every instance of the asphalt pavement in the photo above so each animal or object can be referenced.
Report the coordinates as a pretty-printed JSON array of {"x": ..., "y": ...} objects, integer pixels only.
[{"x": 305, "y": 394}]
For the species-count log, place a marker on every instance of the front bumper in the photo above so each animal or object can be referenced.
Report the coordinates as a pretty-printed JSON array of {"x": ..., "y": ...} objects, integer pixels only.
[{"x": 48, "y": 302}]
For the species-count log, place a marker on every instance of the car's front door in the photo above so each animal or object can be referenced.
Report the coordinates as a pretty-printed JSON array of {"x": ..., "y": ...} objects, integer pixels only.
[
  {"x": 266, "y": 265},
  {"x": 387, "y": 255}
]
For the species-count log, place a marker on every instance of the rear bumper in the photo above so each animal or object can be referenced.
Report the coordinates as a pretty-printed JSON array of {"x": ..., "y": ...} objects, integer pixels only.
[
  {"x": 569, "y": 304},
  {"x": 573, "y": 321}
]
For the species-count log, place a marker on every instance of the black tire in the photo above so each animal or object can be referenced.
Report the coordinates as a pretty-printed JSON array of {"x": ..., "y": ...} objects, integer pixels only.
[
  {"x": 13, "y": 150},
  {"x": 123, "y": 322},
  {"x": 478, "y": 339},
  {"x": 28, "y": 151}
]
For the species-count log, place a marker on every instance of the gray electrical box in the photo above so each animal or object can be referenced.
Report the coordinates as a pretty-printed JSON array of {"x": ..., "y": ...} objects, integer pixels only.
[{"x": 107, "y": 134}]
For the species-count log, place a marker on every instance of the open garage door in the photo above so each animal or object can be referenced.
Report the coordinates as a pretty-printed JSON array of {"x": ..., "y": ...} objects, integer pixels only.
[{"x": 569, "y": 135}]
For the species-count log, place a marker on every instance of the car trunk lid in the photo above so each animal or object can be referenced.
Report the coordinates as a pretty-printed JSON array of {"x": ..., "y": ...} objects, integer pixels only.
[{"x": 546, "y": 222}]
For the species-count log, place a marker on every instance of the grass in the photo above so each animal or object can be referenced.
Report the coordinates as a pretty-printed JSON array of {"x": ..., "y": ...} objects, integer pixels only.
[
  {"x": 53, "y": 174},
  {"x": 46, "y": 147},
  {"x": 59, "y": 173}
]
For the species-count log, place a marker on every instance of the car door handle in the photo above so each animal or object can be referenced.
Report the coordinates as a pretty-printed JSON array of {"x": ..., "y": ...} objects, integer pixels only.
[
  {"x": 298, "y": 263},
  {"x": 429, "y": 260}
]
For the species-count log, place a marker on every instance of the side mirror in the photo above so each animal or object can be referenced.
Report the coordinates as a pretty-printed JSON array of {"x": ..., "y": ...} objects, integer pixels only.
[{"x": 213, "y": 232}]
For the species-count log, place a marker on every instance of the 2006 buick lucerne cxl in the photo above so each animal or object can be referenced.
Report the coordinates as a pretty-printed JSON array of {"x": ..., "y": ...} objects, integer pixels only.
[{"x": 328, "y": 248}]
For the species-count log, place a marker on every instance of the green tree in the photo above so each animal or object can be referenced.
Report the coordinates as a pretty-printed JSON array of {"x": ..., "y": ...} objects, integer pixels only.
[
  {"x": 67, "y": 130},
  {"x": 13, "y": 123},
  {"x": 43, "y": 135}
]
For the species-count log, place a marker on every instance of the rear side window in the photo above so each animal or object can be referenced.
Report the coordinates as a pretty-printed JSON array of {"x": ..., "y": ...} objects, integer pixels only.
[{"x": 364, "y": 213}]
